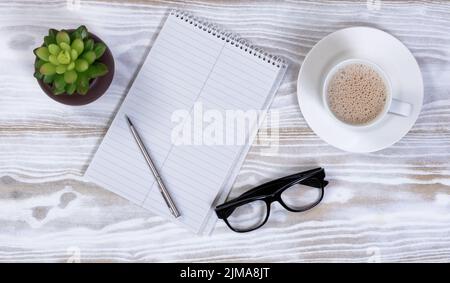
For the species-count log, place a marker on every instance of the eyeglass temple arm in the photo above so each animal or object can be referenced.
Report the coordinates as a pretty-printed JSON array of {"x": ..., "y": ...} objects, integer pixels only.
[
  {"x": 303, "y": 176},
  {"x": 315, "y": 183}
]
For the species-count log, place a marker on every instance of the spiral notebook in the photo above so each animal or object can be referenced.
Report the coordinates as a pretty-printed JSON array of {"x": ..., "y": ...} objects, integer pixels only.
[{"x": 192, "y": 64}]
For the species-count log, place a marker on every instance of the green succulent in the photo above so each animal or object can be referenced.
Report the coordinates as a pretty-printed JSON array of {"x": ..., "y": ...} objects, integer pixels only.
[{"x": 69, "y": 61}]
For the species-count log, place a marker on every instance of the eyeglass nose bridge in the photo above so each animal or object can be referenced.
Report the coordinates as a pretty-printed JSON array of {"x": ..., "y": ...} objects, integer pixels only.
[
  {"x": 276, "y": 199},
  {"x": 273, "y": 198}
]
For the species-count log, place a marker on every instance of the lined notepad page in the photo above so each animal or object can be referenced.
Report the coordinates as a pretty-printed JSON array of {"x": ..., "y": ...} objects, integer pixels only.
[{"x": 186, "y": 66}]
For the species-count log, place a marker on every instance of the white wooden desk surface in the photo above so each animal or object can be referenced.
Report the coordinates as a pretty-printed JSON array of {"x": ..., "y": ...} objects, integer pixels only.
[{"x": 393, "y": 205}]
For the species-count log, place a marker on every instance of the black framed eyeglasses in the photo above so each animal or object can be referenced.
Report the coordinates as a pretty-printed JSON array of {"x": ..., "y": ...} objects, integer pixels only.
[{"x": 296, "y": 193}]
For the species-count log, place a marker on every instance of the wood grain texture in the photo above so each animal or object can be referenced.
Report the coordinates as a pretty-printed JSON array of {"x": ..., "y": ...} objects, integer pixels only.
[{"x": 392, "y": 205}]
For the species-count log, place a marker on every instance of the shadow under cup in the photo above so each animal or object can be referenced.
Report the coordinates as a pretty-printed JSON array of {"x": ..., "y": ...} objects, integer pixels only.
[{"x": 391, "y": 105}]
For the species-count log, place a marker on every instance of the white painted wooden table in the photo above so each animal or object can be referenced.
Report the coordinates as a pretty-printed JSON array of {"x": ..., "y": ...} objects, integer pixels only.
[{"x": 393, "y": 205}]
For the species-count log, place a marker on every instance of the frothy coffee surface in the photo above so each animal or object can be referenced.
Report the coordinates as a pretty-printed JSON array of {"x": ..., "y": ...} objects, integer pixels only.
[{"x": 356, "y": 94}]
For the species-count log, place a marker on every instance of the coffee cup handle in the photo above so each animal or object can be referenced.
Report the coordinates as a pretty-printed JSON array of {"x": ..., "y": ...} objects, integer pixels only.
[{"x": 400, "y": 108}]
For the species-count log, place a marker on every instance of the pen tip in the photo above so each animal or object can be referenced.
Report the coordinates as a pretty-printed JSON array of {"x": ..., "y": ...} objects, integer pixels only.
[{"x": 128, "y": 120}]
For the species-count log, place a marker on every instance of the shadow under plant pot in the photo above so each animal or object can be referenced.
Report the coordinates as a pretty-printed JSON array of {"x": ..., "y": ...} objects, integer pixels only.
[{"x": 97, "y": 86}]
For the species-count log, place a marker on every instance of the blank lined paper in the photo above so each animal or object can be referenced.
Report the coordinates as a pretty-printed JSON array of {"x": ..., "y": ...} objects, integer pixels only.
[{"x": 187, "y": 66}]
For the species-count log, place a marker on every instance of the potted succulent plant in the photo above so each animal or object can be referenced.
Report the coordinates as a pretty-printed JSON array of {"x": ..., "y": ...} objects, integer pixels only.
[{"x": 73, "y": 67}]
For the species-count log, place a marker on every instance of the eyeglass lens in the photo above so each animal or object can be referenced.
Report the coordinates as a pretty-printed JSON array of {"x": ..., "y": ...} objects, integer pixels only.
[
  {"x": 248, "y": 216},
  {"x": 300, "y": 197}
]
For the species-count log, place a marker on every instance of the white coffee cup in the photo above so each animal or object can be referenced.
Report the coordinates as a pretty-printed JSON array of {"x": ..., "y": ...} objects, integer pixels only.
[{"x": 392, "y": 105}]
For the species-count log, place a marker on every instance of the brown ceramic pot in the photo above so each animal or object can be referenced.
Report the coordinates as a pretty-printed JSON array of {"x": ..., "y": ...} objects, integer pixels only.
[{"x": 97, "y": 87}]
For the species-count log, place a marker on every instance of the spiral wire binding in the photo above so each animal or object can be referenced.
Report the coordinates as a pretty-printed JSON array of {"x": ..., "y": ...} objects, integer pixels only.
[{"x": 229, "y": 37}]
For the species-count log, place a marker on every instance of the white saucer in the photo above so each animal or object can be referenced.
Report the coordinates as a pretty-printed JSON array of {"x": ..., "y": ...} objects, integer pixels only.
[{"x": 360, "y": 43}]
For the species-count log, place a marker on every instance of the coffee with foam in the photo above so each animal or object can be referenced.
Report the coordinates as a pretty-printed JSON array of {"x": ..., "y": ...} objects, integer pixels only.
[{"x": 357, "y": 94}]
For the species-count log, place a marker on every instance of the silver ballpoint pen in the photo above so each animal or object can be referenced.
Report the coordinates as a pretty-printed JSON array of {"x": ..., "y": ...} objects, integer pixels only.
[{"x": 164, "y": 192}]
